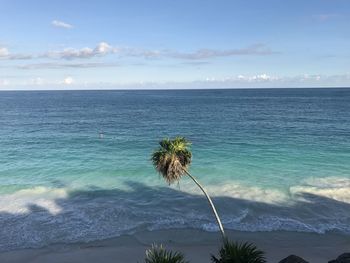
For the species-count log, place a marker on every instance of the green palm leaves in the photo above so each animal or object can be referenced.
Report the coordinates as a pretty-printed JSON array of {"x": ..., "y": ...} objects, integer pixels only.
[
  {"x": 232, "y": 252},
  {"x": 172, "y": 158},
  {"x": 158, "y": 254}
]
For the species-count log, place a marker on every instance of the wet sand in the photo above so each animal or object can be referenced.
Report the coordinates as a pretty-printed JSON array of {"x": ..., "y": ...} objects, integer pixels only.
[{"x": 197, "y": 246}]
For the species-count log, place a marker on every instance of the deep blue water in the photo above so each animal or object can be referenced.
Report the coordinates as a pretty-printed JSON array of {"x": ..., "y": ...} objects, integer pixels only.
[{"x": 74, "y": 165}]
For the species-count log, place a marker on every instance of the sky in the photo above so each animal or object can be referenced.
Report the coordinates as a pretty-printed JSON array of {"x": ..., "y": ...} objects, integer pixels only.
[{"x": 174, "y": 44}]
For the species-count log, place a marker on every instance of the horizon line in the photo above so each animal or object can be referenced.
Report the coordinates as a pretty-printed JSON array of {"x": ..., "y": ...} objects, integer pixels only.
[{"x": 174, "y": 89}]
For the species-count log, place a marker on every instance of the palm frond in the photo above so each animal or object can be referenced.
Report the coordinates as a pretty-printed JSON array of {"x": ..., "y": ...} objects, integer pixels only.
[
  {"x": 232, "y": 252},
  {"x": 172, "y": 158},
  {"x": 165, "y": 144},
  {"x": 158, "y": 254}
]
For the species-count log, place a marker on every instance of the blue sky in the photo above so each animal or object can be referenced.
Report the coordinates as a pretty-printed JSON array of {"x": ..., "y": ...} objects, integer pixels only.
[{"x": 174, "y": 44}]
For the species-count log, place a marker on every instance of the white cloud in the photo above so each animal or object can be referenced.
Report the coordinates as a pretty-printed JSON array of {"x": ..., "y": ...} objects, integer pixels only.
[
  {"x": 4, "y": 82},
  {"x": 206, "y": 53},
  {"x": 257, "y": 49},
  {"x": 101, "y": 49},
  {"x": 70, "y": 53},
  {"x": 68, "y": 80},
  {"x": 262, "y": 77},
  {"x": 250, "y": 78},
  {"x": 43, "y": 83},
  {"x": 104, "y": 48},
  {"x": 269, "y": 81},
  {"x": 55, "y": 65},
  {"x": 263, "y": 80},
  {"x": 61, "y": 24},
  {"x": 4, "y": 52},
  {"x": 37, "y": 81}
]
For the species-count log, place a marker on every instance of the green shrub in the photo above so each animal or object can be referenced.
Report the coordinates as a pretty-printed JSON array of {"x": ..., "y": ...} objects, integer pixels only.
[
  {"x": 158, "y": 254},
  {"x": 232, "y": 252}
]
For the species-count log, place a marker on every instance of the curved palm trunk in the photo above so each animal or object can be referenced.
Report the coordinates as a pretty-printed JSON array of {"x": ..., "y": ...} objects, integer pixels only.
[{"x": 210, "y": 202}]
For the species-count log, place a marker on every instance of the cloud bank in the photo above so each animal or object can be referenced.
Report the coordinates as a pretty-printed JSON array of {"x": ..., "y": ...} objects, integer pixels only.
[
  {"x": 263, "y": 80},
  {"x": 6, "y": 55},
  {"x": 54, "y": 65},
  {"x": 101, "y": 49},
  {"x": 104, "y": 49}
]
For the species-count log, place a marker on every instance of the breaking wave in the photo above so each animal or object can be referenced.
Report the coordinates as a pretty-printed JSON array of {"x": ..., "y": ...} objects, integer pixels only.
[{"x": 38, "y": 216}]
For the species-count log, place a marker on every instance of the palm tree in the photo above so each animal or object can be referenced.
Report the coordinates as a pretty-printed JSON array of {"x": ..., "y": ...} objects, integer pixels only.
[
  {"x": 158, "y": 254},
  {"x": 232, "y": 252},
  {"x": 172, "y": 160}
]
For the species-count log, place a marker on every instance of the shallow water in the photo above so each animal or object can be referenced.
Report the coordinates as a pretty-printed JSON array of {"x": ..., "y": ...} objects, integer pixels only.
[{"x": 274, "y": 159}]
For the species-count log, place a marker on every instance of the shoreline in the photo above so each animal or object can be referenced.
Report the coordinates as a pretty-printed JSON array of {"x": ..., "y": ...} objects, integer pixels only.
[{"x": 197, "y": 245}]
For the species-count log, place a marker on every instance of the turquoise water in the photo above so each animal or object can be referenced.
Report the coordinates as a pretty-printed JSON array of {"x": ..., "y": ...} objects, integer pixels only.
[{"x": 74, "y": 165}]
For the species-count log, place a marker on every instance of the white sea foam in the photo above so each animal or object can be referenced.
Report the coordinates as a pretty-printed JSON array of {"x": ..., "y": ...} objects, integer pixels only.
[
  {"x": 331, "y": 187},
  {"x": 20, "y": 201},
  {"x": 233, "y": 222},
  {"x": 239, "y": 190},
  {"x": 88, "y": 217}
]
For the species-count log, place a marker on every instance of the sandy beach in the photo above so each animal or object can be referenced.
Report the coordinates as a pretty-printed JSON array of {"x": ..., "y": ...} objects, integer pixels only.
[{"x": 195, "y": 244}]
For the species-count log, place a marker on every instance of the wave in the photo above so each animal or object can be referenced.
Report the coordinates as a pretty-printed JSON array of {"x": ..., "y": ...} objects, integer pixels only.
[
  {"x": 42, "y": 215},
  {"x": 331, "y": 187},
  {"x": 275, "y": 223},
  {"x": 239, "y": 190},
  {"x": 20, "y": 201},
  {"x": 335, "y": 188}
]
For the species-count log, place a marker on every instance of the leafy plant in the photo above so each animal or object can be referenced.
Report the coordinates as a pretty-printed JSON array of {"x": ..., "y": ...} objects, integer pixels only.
[
  {"x": 158, "y": 254},
  {"x": 233, "y": 252}
]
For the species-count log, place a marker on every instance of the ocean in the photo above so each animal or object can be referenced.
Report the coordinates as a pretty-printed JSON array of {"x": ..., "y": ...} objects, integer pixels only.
[{"x": 75, "y": 165}]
